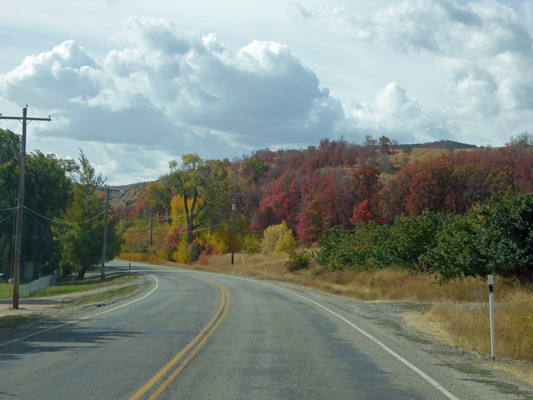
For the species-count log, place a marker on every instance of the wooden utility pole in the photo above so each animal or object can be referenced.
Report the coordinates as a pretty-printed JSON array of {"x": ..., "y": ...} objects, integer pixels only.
[
  {"x": 20, "y": 205},
  {"x": 151, "y": 229},
  {"x": 233, "y": 208},
  {"x": 104, "y": 246}
]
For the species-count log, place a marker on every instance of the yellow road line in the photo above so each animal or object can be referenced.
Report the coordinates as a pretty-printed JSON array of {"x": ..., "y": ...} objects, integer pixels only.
[
  {"x": 186, "y": 361},
  {"x": 223, "y": 306}
]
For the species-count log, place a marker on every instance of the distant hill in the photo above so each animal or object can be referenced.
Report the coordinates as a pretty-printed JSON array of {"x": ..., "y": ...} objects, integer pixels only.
[
  {"x": 441, "y": 144},
  {"x": 125, "y": 195}
]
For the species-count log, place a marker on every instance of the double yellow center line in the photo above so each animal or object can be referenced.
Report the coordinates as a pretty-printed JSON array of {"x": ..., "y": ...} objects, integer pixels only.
[{"x": 191, "y": 349}]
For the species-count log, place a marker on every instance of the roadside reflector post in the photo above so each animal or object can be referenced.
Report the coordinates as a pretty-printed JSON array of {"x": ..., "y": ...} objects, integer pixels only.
[
  {"x": 491, "y": 306},
  {"x": 265, "y": 272}
]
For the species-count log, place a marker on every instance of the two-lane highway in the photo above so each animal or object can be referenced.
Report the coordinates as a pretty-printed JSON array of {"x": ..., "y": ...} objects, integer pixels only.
[{"x": 194, "y": 335}]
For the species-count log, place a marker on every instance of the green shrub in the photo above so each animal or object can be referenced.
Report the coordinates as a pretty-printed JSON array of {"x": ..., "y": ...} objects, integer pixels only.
[
  {"x": 195, "y": 249},
  {"x": 456, "y": 252},
  {"x": 65, "y": 268},
  {"x": 412, "y": 237},
  {"x": 336, "y": 250},
  {"x": 298, "y": 261},
  {"x": 251, "y": 245},
  {"x": 494, "y": 237},
  {"x": 277, "y": 239}
]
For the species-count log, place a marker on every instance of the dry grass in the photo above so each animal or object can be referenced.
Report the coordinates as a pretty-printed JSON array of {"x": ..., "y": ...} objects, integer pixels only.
[
  {"x": 459, "y": 309},
  {"x": 468, "y": 326}
]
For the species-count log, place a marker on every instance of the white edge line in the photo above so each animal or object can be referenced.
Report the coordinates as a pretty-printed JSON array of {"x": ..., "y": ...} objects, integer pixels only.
[
  {"x": 87, "y": 316},
  {"x": 426, "y": 377},
  {"x": 421, "y": 373}
]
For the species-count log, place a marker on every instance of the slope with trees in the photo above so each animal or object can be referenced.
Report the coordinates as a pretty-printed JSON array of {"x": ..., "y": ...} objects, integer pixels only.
[{"x": 337, "y": 185}]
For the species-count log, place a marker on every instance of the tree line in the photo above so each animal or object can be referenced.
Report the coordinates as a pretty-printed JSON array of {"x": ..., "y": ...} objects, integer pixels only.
[{"x": 64, "y": 211}]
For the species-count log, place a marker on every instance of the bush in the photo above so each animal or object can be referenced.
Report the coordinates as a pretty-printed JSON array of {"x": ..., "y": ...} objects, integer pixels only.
[
  {"x": 65, "y": 268},
  {"x": 298, "y": 261},
  {"x": 277, "y": 239},
  {"x": 495, "y": 237},
  {"x": 337, "y": 250},
  {"x": 203, "y": 258},
  {"x": 182, "y": 254},
  {"x": 195, "y": 249},
  {"x": 456, "y": 253},
  {"x": 412, "y": 237},
  {"x": 251, "y": 245}
]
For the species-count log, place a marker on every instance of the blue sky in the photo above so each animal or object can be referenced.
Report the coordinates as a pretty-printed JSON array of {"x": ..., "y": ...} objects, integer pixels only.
[{"x": 136, "y": 84}]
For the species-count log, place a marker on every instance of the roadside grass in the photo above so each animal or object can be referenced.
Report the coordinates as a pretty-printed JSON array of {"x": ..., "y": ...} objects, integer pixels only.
[
  {"x": 5, "y": 290},
  {"x": 103, "y": 296},
  {"x": 457, "y": 310},
  {"x": 469, "y": 326},
  {"x": 68, "y": 286}
]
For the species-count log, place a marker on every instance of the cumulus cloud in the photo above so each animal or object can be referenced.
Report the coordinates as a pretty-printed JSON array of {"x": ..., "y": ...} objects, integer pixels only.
[
  {"x": 164, "y": 87},
  {"x": 394, "y": 114},
  {"x": 482, "y": 49}
]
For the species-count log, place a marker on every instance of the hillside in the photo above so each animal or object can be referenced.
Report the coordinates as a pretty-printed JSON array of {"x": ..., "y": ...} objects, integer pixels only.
[{"x": 126, "y": 195}]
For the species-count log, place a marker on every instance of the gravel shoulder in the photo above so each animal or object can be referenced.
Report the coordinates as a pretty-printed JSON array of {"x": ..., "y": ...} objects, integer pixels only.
[{"x": 402, "y": 325}]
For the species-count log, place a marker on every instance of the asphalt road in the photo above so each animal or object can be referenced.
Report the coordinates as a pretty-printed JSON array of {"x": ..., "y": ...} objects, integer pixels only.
[{"x": 194, "y": 335}]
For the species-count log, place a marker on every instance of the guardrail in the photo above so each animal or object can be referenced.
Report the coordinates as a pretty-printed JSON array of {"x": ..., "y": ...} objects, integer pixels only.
[{"x": 38, "y": 284}]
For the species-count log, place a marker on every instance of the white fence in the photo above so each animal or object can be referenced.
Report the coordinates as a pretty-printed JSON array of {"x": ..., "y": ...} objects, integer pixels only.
[{"x": 41, "y": 283}]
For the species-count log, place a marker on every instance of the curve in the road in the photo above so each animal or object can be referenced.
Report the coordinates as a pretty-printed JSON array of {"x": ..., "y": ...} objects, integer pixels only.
[
  {"x": 192, "y": 349},
  {"x": 86, "y": 317}
]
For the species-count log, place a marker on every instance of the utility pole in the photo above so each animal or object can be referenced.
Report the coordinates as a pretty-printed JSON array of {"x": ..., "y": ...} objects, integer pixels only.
[
  {"x": 102, "y": 273},
  {"x": 151, "y": 228},
  {"x": 20, "y": 206},
  {"x": 233, "y": 208}
]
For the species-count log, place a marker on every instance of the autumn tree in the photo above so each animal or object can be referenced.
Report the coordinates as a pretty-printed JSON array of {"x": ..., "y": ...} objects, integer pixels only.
[
  {"x": 366, "y": 186},
  {"x": 205, "y": 188}
]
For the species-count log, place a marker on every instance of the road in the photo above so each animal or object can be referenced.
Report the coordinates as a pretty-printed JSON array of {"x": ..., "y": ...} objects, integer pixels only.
[{"x": 195, "y": 335}]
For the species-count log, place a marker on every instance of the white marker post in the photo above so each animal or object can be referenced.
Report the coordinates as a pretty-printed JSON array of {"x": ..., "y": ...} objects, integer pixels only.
[{"x": 491, "y": 306}]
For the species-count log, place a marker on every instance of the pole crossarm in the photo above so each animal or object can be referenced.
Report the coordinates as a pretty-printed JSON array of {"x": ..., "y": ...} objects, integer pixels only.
[
  {"x": 27, "y": 118},
  {"x": 20, "y": 207}
]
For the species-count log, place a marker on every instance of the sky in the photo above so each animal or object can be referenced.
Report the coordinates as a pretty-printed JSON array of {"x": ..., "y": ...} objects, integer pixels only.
[{"x": 135, "y": 84}]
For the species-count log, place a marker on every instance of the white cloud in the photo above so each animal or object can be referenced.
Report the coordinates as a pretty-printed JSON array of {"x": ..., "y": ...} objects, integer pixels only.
[
  {"x": 171, "y": 84},
  {"x": 399, "y": 117},
  {"x": 482, "y": 50}
]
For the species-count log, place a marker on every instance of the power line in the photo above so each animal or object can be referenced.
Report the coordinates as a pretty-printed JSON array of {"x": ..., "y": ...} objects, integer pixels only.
[
  {"x": 65, "y": 222},
  {"x": 6, "y": 218}
]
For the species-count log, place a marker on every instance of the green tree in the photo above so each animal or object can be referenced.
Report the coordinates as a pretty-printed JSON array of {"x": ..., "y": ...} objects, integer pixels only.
[
  {"x": 82, "y": 229},
  {"x": 9, "y": 167},
  {"x": 494, "y": 237},
  {"x": 47, "y": 194},
  {"x": 256, "y": 167}
]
